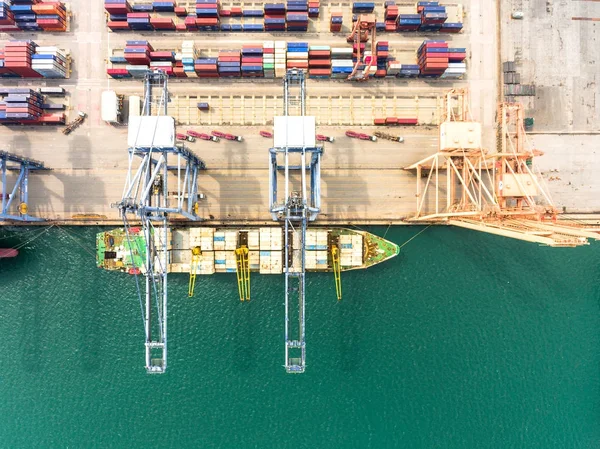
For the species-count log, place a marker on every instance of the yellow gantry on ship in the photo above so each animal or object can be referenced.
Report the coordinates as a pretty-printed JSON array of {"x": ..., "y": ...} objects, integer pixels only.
[
  {"x": 337, "y": 270},
  {"x": 196, "y": 256},
  {"x": 242, "y": 270}
]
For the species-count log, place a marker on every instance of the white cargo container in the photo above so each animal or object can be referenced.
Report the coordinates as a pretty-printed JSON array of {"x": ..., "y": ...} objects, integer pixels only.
[{"x": 135, "y": 106}]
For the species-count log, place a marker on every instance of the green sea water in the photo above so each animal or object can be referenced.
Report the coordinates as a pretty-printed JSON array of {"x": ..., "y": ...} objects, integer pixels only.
[{"x": 464, "y": 341}]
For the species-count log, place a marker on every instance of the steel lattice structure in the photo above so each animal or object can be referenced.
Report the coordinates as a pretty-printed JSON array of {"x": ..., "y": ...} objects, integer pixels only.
[
  {"x": 296, "y": 209},
  {"x": 150, "y": 199},
  {"x": 10, "y": 162}
]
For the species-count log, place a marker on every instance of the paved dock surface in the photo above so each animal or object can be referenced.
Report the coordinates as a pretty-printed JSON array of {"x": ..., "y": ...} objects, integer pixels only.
[
  {"x": 361, "y": 181},
  {"x": 557, "y": 50}
]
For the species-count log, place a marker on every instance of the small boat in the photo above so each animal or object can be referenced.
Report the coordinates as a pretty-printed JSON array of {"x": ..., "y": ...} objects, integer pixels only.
[{"x": 8, "y": 253}]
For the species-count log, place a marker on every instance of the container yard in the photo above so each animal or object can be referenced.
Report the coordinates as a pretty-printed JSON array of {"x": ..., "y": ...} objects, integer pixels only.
[
  {"x": 201, "y": 128},
  {"x": 233, "y": 79}
]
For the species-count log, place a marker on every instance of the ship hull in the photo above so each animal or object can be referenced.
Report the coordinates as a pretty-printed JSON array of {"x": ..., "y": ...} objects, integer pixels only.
[
  {"x": 8, "y": 253},
  {"x": 121, "y": 251}
]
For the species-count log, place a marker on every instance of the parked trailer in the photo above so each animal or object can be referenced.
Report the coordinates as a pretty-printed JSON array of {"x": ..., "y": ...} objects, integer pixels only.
[{"x": 112, "y": 105}]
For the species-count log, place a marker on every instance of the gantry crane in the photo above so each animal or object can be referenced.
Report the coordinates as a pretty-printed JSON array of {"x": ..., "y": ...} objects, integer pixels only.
[
  {"x": 496, "y": 192},
  {"x": 156, "y": 163},
  {"x": 364, "y": 27},
  {"x": 294, "y": 137},
  {"x": 19, "y": 193}
]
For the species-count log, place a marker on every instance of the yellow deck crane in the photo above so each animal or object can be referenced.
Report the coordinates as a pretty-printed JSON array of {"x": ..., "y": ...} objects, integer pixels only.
[
  {"x": 243, "y": 272},
  {"x": 196, "y": 256},
  {"x": 337, "y": 270}
]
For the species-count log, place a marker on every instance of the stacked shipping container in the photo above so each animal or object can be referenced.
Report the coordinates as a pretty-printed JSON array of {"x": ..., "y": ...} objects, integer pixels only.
[
  {"x": 341, "y": 62},
  {"x": 32, "y": 15},
  {"x": 18, "y": 57},
  {"x": 280, "y": 59},
  {"x": 252, "y": 61},
  {"x": 271, "y": 60},
  {"x": 335, "y": 22},
  {"x": 391, "y": 16},
  {"x": 430, "y": 17},
  {"x": 50, "y": 62},
  {"x": 229, "y": 64},
  {"x": 297, "y": 15},
  {"x": 319, "y": 61},
  {"x": 297, "y": 55},
  {"x": 274, "y": 16},
  {"x": 26, "y": 107},
  {"x": 433, "y": 58}
]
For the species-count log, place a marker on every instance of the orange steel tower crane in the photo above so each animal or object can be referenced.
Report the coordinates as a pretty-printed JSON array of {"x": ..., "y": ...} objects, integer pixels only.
[
  {"x": 363, "y": 27},
  {"x": 497, "y": 192}
]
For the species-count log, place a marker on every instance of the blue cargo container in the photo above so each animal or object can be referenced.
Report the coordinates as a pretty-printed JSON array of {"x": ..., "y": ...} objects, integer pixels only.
[
  {"x": 136, "y": 50},
  {"x": 297, "y": 46},
  {"x": 207, "y": 61},
  {"x": 206, "y": 13},
  {"x": 258, "y": 27},
  {"x": 229, "y": 64},
  {"x": 253, "y": 13},
  {"x": 25, "y": 17},
  {"x": 363, "y": 7},
  {"x": 164, "y": 6},
  {"x": 19, "y": 8},
  {"x": 138, "y": 43},
  {"x": 142, "y": 8}
]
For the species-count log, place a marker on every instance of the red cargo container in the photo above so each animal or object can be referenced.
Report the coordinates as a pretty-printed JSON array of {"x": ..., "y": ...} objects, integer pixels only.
[
  {"x": 319, "y": 63},
  {"x": 138, "y": 15},
  {"x": 180, "y": 11},
  {"x": 117, "y": 25},
  {"x": 319, "y": 72},
  {"x": 391, "y": 121},
  {"x": 161, "y": 56},
  {"x": 207, "y": 21},
  {"x": 205, "y": 67},
  {"x": 117, "y": 72},
  {"x": 379, "y": 121},
  {"x": 162, "y": 23},
  {"x": 291, "y": 64}
]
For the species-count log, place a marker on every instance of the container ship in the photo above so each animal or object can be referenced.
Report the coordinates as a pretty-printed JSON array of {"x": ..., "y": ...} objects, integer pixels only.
[{"x": 215, "y": 249}]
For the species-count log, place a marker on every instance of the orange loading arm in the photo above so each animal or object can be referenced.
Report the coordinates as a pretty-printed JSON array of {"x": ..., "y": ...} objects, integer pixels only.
[{"x": 360, "y": 33}]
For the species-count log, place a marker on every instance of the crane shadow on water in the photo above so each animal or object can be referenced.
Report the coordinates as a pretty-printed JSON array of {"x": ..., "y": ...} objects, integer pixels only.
[
  {"x": 348, "y": 347},
  {"x": 244, "y": 338}
]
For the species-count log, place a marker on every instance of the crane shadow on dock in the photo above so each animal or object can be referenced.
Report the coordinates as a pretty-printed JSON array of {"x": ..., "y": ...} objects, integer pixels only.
[
  {"x": 345, "y": 193},
  {"x": 239, "y": 196},
  {"x": 81, "y": 193}
]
